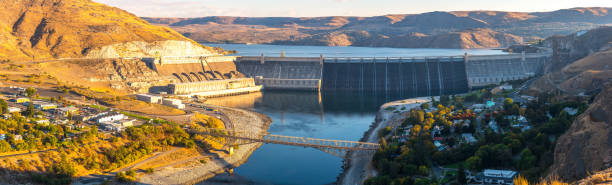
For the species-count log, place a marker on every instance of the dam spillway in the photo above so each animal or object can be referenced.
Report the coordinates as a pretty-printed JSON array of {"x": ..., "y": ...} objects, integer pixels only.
[
  {"x": 411, "y": 76},
  {"x": 424, "y": 76}
]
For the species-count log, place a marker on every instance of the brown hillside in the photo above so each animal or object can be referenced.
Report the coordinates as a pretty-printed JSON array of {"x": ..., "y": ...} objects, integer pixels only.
[
  {"x": 39, "y": 29},
  {"x": 472, "y": 38},
  {"x": 581, "y": 63},
  {"x": 392, "y": 30},
  {"x": 587, "y": 146}
]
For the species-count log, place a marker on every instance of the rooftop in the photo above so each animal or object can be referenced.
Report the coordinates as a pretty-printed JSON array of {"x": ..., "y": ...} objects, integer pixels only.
[{"x": 499, "y": 173}]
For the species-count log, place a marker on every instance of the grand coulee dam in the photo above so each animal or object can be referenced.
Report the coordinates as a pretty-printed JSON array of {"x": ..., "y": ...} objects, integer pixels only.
[{"x": 214, "y": 76}]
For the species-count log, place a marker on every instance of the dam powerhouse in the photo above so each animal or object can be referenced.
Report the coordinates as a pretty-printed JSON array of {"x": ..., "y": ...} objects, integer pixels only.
[{"x": 411, "y": 76}]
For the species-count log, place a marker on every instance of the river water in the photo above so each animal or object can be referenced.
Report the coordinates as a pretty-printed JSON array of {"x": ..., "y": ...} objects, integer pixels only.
[{"x": 343, "y": 116}]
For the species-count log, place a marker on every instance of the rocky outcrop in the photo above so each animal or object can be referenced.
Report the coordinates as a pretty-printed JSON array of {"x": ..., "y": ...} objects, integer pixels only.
[
  {"x": 587, "y": 146},
  {"x": 580, "y": 64},
  {"x": 47, "y": 29},
  {"x": 149, "y": 49}
]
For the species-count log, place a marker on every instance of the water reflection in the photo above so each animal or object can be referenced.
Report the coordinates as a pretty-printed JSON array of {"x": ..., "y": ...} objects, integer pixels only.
[
  {"x": 307, "y": 114},
  {"x": 326, "y": 115}
]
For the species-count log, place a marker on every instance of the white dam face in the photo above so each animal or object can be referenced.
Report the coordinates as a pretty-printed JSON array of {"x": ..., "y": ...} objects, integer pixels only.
[{"x": 423, "y": 75}]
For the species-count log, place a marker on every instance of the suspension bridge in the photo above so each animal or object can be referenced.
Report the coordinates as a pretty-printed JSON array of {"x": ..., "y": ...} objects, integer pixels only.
[{"x": 334, "y": 147}]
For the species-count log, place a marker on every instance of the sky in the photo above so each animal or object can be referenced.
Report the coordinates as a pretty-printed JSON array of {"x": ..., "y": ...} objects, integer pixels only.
[{"x": 317, "y": 8}]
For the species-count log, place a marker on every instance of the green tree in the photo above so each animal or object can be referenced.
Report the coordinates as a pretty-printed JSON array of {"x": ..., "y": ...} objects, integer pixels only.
[
  {"x": 461, "y": 179},
  {"x": 30, "y": 92},
  {"x": 378, "y": 180},
  {"x": 424, "y": 170},
  {"x": 5, "y": 146},
  {"x": 30, "y": 111},
  {"x": 425, "y": 106},
  {"x": 508, "y": 102},
  {"x": 527, "y": 160},
  {"x": 4, "y": 106},
  {"x": 474, "y": 163},
  {"x": 64, "y": 168}
]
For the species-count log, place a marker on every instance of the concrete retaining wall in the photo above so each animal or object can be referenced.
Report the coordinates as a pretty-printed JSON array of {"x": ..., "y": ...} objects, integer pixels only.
[
  {"x": 208, "y": 86},
  {"x": 289, "y": 84},
  {"x": 280, "y": 67},
  {"x": 494, "y": 69}
]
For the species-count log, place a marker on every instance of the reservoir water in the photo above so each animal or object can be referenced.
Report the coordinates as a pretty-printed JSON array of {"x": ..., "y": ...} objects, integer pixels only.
[
  {"x": 347, "y": 51},
  {"x": 344, "y": 116}
]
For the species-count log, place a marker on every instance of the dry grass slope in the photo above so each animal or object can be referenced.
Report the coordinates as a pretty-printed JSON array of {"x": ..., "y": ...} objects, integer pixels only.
[{"x": 41, "y": 29}]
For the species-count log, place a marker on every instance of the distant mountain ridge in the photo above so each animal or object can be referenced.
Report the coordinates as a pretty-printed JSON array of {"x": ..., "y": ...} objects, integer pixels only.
[{"x": 458, "y": 29}]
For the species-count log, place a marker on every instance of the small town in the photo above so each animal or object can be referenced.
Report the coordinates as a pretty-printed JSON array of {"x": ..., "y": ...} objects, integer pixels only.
[{"x": 504, "y": 131}]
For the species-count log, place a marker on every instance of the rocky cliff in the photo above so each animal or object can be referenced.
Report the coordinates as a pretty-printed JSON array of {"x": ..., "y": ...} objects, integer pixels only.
[
  {"x": 587, "y": 146},
  {"x": 580, "y": 63},
  {"x": 462, "y": 29},
  {"x": 581, "y": 67},
  {"x": 42, "y": 29}
]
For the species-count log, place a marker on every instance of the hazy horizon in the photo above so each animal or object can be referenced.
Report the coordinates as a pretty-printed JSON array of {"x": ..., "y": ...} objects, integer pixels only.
[{"x": 322, "y": 8}]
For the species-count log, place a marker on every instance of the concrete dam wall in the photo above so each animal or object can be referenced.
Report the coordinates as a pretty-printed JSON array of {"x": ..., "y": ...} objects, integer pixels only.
[
  {"x": 493, "y": 69},
  {"x": 421, "y": 76},
  {"x": 286, "y": 73}
]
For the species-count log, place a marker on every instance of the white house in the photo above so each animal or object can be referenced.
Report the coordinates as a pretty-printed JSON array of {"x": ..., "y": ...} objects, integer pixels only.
[
  {"x": 110, "y": 117},
  {"x": 14, "y": 109},
  {"x": 468, "y": 137},
  {"x": 43, "y": 122},
  {"x": 498, "y": 176},
  {"x": 117, "y": 125}
]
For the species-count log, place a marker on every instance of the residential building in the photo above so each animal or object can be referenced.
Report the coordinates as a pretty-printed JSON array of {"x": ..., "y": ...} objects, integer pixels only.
[
  {"x": 41, "y": 105},
  {"x": 493, "y": 126},
  {"x": 501, "y": 88},
  {"x": 117, "y": 125},
  {"x": 439, "y": 145},
  {"x": 43, "y": 122},
  {"x": 14, "y": 109},
  {"x": 490, "y": 176},
  {"x": 20, "y": 100},
  {"x": 110, "y": 117},
  {"x": 66, "y": 110},
  {"x": 83, "y": 118},
  {"x": 571, "y": 111},
  {"x": 468, "y": 137}
]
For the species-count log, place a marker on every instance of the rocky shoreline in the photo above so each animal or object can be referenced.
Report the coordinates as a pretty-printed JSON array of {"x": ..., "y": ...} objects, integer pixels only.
[
  {"x": 357, "y": 168},
  {"x": 198, "y": 173}
]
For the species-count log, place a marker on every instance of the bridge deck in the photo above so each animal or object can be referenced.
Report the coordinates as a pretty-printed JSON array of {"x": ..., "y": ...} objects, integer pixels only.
[{"x": 294, "y": 141}]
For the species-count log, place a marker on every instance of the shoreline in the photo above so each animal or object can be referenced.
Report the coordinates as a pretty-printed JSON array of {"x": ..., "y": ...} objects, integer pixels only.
[
  {"x": 355, "y": 168},
  {"x": 217, "y": 165}
]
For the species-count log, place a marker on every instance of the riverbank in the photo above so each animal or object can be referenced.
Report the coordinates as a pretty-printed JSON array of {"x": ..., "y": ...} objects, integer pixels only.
[
  {"x": 358, "y": 168},
  {"x": 219, "y": 162}
]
